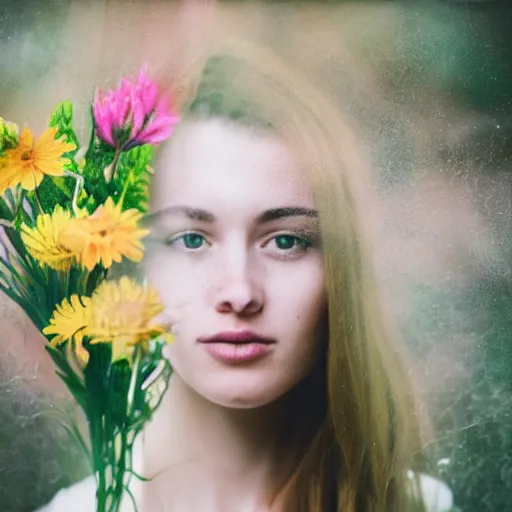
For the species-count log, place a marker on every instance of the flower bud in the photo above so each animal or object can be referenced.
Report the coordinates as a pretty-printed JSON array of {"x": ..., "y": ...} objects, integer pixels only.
[{"x": 9, "y": 135}]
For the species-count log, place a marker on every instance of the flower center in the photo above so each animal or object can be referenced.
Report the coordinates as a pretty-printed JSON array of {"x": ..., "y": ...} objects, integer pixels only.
[{"x": 26, "y": 155}]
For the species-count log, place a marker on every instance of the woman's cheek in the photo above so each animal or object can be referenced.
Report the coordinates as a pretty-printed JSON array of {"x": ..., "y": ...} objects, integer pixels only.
[
  {"x": 299, "y": 283},
  {"x": 178, "y": 279}
]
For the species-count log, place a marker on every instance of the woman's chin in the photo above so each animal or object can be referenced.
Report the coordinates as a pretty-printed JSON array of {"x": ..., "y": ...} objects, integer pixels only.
[
  {"x": 240, "y": 398},
  {"x": 238, "y": 388},
  {"x": 239, "y": 393}
]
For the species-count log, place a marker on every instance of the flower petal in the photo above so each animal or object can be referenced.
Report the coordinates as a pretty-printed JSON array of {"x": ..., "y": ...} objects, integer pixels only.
[
  {"x": 102, "y": 121},
  {"x": 26, "y": 138},
  {"x": 49, "y": 167},
  {"x": 31, "y": 180},
  {"x": 47, "y": 137},
  {"x": 157, "y": 130}
]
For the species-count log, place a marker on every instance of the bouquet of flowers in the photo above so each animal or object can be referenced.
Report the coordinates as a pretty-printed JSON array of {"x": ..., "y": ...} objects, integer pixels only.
[{"x": 65, "y": 222}]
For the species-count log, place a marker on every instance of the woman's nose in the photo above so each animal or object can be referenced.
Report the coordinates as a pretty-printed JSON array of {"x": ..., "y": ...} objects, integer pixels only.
[{"x": 239, "y": 288}]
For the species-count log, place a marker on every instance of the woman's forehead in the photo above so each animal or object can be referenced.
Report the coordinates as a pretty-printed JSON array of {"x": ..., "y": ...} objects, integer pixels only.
[{"x": 218, "y": 161}]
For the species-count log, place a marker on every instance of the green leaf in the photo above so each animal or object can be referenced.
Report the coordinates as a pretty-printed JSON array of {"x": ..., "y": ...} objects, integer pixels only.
[
  {"x": 94, "y": 279},
  {"x": 68, "y": 375},
  {"x": 96, "y": 374},
  {"x": 99, "y": 156},
  {"x": 16, "y": 241},
  {"x": 118, "y": 390},
  {"x": 62, "y": 117},
  {"x": 39, "y": 282},
  {"x": 59, "y": 358},
  {"x": 75, "y": 434},
  {"x": 132, "y": 178},
  {"x": 20, "y": 290},
  {"x": 77, "y": 390},
  {"x": 54, "y": 191},
  {"x": 39, "y": 288},
  {"x": 5, "y": 211}
]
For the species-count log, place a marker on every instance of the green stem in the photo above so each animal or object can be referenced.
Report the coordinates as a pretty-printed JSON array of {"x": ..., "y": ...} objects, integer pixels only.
[
  {"x": 18, "y": 203},
  {"x": 97, "y": 443},
  {"x": 18, "y": 200},
  {"x": 132, "y": 497},
  {"x": 127, "y": 183},
  {"x": 38, "y": 201},
  {"x": 133, "y": 380},
  {"x": 114, "y": 163},
  {"x": 119, "y": 465},
  {"x": 125, "y": 450},
  {"x": 120, "y": 470},
  {"x": 91, "y": 146},
  {"x": 112, "y": 450},
  {"x": 78, "y": 187}
]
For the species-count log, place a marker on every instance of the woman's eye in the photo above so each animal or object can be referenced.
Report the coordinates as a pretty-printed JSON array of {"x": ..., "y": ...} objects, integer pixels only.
[
  {"x": 192, "y": 241},
  {"x": 291, "y": 243}
]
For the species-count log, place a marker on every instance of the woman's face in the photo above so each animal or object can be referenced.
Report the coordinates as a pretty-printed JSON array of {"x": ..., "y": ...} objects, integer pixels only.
[{"x": 235, "y": 255}]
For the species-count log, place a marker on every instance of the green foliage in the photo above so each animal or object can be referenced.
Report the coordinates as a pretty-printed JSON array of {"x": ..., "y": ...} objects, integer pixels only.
[
  {"x": 8, "y": 136},
  {"x": 55, "y": 191},
  {"x": 446, "y": 49},
  {"x": 129, "y": 182},
  {"x": 12, "y": 211},
  {"x": 62, "y": 117},
  {"x": 98, "y": 158},
  {"x": 117, "y": 400},
  {"x": 115, "y": 396},
  {"x": 68, "y": 375},
  {"x": 132, "y": 178},
  {"x": 50, "y": 194},
  {"x": 118, "y": 405},
  {"x": 473, "y": 417},
  {"x": 39, "y": 288},
  {"x": 7, "y": 206},
  {"x": 481, "y": 448}
]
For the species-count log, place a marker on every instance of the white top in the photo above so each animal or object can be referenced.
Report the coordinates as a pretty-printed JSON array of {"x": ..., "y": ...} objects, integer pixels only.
[{"x": 81, "y": 497}]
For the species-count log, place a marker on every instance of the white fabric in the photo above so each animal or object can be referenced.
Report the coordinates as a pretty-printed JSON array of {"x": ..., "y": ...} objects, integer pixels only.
[
  {"x": 437, "y": 496},
  {"x": 81, "y": 497}
]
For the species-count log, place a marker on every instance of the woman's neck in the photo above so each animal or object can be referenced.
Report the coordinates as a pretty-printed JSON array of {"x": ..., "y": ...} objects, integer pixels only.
[{"x": 208, "y": 457}]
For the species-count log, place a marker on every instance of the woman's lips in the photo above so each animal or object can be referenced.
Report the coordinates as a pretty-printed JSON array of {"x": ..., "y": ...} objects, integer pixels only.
[
  {"x": 237, "y": 346},
  {"x": 237, "y": 352}
]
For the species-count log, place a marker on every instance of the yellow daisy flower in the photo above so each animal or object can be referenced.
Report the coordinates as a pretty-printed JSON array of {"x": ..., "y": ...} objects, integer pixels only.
[
  {"x": 122, "y": 313},
  {"x": 43, "y": 240},
  {"x": 106, "y": 236},
  {"x": 30, "y": 161},
  {"x": 69, "y": 322}
]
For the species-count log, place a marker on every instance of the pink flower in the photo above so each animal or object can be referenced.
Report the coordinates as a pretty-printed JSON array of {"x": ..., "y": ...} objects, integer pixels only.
[{"x": 134, "y": 114}]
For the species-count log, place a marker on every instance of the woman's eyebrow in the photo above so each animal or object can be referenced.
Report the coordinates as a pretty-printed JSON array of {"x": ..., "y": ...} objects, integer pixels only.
[
  {"x": 201, "y": 215},
  {"x": 192, "y": 213},
  {"x": 281, "y": 213}
]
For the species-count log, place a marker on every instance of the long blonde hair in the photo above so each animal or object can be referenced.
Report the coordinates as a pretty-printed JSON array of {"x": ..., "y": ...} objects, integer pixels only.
[{"x": 363, "y": 435}]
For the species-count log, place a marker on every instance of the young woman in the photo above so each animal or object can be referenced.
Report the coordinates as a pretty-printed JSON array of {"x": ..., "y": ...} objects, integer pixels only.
[{"x": 287, "y": 393}]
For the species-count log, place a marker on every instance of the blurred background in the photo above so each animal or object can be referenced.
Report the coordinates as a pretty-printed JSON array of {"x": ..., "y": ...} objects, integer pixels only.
[{"x": 428, "y": 88}]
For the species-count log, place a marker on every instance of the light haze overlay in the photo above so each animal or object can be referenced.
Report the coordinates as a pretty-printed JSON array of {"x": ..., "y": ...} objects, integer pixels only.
[{"x": 428, "y": 89}]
